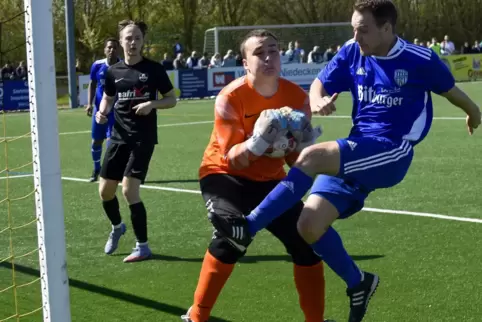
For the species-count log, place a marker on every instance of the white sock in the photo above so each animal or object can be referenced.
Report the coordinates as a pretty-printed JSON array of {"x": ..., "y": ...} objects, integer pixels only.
[
  {"x": 117, "y": 226},
  {"x": 141, "y": 244}
]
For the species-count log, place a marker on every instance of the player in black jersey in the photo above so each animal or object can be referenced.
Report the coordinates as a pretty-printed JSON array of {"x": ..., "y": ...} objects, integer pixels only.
[{"x": 136, "y": 82}]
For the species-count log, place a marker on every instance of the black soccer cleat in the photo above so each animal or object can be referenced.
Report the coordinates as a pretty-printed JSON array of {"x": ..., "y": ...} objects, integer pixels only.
[
  {"x": 360, "y": 295},
  {"x": 95, "y": 176},
  {"x": 234, "y": 228}
]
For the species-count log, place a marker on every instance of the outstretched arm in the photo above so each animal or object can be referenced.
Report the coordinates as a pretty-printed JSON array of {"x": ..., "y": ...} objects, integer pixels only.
[{"x": 458, "y": 98}]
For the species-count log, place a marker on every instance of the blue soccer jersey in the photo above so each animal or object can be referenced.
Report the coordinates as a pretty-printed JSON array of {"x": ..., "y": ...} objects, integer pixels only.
[
  {"x": 97, "y": 74},
  {"x": 392, "y": 112},
  {"x": 391, "y": 95}
]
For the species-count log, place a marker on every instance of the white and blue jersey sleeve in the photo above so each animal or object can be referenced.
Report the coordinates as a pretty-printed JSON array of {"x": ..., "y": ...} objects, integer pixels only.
[
  {"x": 97, "y": 74},
  {"x": 392, "y": 112},
  {"x": 336, "y": 76},
  {"x": 391, "y": 94}
]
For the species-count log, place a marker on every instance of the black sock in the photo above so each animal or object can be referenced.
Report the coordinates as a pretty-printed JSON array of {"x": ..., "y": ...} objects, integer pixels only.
[
  {"x": 112, "y": 211},
  {"x": 139, "y": 221}
]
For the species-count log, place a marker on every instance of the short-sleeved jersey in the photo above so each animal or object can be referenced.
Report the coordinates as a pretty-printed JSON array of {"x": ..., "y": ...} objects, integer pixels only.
[
  {"x": 391, "y": 95},
  {"x": 134, "y": 85},
  {"x": 236, "y": 110},
  {"x": 97, "y": 74}
]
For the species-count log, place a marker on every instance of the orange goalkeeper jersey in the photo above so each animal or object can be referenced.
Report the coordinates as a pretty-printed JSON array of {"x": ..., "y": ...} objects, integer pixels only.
[{"x": 236, "y": 110}]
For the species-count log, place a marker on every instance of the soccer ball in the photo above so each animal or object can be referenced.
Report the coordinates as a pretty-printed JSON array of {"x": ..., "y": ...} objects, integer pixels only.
[{"x": 284, "y": 145}]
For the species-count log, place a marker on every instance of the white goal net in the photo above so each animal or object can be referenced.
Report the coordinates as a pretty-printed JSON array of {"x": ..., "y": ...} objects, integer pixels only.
[
  {"x": 221, "y": 39},
  {"x": 31, "y": 206}
]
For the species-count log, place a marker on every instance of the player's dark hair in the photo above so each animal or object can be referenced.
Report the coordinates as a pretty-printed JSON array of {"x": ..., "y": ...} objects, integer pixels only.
[
  {"x": 382, "y": 10},
  {"x": 111, "y": 39},
  {"x": 255, "y": 33},
  {"x": 139, "y": 24}
]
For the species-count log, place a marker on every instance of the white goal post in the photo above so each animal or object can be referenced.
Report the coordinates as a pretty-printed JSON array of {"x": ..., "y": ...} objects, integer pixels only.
[
  {"x": 221, "y": 39},
  {"x": 39, "y": 36}
]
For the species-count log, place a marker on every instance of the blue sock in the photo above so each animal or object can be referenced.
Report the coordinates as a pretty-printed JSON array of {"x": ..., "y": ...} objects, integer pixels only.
[
  {"x": 330, "y": 248},
  {"x": 96, "y": 155},
  {"x": 283, "y": 197}
]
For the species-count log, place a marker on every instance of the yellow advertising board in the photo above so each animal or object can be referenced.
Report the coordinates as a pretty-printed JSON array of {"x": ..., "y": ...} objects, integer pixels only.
[{"x": 464, "y": 67}]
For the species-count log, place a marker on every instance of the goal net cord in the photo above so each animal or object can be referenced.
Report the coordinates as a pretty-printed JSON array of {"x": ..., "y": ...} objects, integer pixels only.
[
  {"x": 41, "y": 217},
  {"x": 323, "y": 35},
  {"x": 8, "y": 199}
]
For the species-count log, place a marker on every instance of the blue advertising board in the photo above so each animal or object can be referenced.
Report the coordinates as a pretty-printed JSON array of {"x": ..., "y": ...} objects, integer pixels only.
[
  {"x": 14, "y": 95},
  {"x": 202, "y": 83},
  {"x": 193, "y": 83}
]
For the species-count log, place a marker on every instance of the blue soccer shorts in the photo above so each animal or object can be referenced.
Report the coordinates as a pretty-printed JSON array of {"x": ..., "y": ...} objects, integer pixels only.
[
  {"x": 102, "y": 131},
  {"x": 366, "y": 164}
]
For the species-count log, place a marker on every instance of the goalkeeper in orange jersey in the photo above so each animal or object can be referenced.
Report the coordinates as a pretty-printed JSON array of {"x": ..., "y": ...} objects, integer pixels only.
[{"x": 236, "y": 174}]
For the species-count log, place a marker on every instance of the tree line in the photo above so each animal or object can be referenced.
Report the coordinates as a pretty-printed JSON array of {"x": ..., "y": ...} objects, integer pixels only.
[{"x": 188, "y": 19}]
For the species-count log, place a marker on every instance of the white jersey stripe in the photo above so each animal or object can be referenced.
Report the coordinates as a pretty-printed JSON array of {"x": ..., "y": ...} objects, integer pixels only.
[{"x": 378, "y": 164}]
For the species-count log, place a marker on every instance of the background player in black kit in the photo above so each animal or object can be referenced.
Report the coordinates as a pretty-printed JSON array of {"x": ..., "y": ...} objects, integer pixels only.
[{"x": 136, "y": 82}]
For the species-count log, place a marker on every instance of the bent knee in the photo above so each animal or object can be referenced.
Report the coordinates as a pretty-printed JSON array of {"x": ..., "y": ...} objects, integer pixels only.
[
  {"x": 131, "y": 194},
  {"x": 317, "y": 216},
  {"x": 307, "y": 227},
  {"x": 224, "y": 251},
  {"x": 322, "y": 158},
  {"x": 107, "y": 189}
]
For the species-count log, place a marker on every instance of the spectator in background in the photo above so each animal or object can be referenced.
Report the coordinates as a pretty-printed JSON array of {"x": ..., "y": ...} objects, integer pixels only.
[
  {"x": 193, "y": 60},
  {"x": 177, "y": 48},
  {"x": 7, "y": 72},
  {"x": 421, "y": 43},
  {"x": 179, "y": 62},
  {"x": 301, "y": 52},
  {"x": 283, "y": 57},
  {"x": 466, "y": 49},
  {"x": 315, "y": 56},
  {"x": 447, "y": 47},
  {"x": 428, "y": 44},
  {"x": 229, "y": 60},
  {"x": 204, "y": 61},
  {"x": 329, "y": 53},
  {"x": 476, "y": 48},
  {"x": 216, "y": 60},
  {"x": 239, "y": 60},
  {"x": 293, "y": 55},
  {"x": 167, "y": 62},
  {"x": 21, "y": 71},
  {"x": 435, "y": 46}
]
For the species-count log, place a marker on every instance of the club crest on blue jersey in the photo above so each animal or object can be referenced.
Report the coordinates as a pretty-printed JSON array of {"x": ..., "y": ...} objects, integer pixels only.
[{"x": 401, "y": 77}]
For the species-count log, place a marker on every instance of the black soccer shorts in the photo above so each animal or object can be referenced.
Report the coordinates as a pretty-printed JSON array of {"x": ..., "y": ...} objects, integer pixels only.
[
  {"x": 127, "y": 160},
  {"x": 235, "y": 196}
]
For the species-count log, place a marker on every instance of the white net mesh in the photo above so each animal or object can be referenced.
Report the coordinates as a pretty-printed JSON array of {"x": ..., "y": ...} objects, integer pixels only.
[{"x": 309, "y": 35}]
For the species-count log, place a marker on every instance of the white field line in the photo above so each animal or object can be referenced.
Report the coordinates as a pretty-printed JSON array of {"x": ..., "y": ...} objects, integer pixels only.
[
  {"x": 368, "y": 209},
  {"x": 448, "y": 118}
]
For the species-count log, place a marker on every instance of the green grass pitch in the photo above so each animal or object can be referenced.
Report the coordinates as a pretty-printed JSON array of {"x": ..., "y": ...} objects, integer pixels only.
[{"x": 430, "y": 267}]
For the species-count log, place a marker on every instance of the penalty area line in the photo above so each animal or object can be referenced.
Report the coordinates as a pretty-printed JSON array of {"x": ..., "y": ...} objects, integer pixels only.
[{"x": 367, "y": 209}]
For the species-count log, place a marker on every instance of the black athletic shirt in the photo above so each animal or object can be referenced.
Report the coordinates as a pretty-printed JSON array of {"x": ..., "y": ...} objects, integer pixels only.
[{"x": 135, "y": 84}]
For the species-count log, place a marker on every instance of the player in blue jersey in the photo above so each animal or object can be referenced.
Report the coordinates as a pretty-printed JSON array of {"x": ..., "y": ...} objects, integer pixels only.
[
  {"x": 100, "y": 132},
  {"x": 390, "y": 81}
]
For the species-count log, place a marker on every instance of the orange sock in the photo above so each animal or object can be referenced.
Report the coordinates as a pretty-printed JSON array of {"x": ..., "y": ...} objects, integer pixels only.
[
  {"x": 212, "y": 278},
  {"x": 310, "y": 283}
]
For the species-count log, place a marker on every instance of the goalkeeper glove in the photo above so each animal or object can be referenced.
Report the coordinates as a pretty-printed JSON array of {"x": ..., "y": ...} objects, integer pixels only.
[
  {"x": 270, "y": 125},
  {"x": 300, "y": 126}
]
